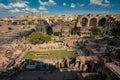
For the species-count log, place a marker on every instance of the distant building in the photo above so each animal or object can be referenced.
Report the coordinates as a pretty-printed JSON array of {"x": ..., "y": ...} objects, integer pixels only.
[
  {"x": 64, "y": 27},
  {"x": 67, "y": 27},
  {"x": 42, "y": 26},
  {"x": 85, "y": 32},
  {"x": 96, "y": 20},
  {"x": 64, "y": 23},
  {"x": 56, "y": 27}
]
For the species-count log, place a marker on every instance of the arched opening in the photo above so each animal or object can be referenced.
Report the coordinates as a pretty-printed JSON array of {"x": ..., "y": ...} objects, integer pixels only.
[
  {"x": 84, "y": 21},
  {"x": 102, "y": 21},
  {"x": 93, "y": 22}
]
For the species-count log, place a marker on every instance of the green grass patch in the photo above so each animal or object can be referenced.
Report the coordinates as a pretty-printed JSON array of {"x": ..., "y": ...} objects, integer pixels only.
[{"x": 59, "y": 54}]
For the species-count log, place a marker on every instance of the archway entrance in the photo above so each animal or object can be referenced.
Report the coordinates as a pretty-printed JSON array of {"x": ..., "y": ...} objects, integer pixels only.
[
  {"x": 93, "y": 22},
  {"x": 102, "y": 22},
  {"x": 84, "y": 21}
]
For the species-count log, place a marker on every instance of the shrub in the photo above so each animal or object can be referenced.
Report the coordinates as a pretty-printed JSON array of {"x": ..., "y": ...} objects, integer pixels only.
[
  {"x": 95, "y": 31},
  {"x": 74, "y": 31},
  {"x": 49, "y": 31},
  {"x": 57, "y": 33},
  {"x": 39, "y": 38}
]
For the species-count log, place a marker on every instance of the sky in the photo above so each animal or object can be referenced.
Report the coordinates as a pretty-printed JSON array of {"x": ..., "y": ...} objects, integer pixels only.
[{"x": 58, "y": 7}]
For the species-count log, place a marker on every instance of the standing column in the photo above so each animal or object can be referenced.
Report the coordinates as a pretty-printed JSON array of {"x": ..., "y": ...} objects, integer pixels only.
[{"x": 88, "y": 24}]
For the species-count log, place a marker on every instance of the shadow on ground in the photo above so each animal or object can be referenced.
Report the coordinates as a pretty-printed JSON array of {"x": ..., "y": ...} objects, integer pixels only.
[{"x": 37, "y": 70}]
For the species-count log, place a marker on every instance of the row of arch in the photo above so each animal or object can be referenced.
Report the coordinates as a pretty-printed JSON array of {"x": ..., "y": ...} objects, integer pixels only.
[{"x": 93, "y": 22}]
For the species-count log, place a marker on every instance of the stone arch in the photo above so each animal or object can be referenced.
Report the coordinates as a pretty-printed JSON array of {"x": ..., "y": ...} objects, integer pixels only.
[
  {"x": 93, "y": 22},
  {"x": 84, "y": 21},
  {"x": 102, "y": 21}
]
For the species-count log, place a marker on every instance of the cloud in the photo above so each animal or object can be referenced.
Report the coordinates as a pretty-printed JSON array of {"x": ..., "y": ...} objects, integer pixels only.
[
  {"x": 34, "y": 10},
  {"x": 45, "y": 12},
  {"x": 72, "y": 5},
  {"x": 96, "y": 2},
  {"x": 107, "y": 1},
  {"x": 81, "y": 5},
  {"x": 43, "y": 5},
  {"x": 52, "y": 2},
  {"x": 26, "y": 9},
  {"x": 47, "y": 3},
  {"x": 64, "y": 4},
  {"x": 103, "y": 3},
  {"x": 11, "y": 6},
  {"x": 103, "y": 12},
  {"x": 5, "y": 7},
  {"x": 30, "y": 10},
  {"x": 18, "y": 5},
  {"x": 42, "y": 8},
  {"x": 15, "y": 10}
]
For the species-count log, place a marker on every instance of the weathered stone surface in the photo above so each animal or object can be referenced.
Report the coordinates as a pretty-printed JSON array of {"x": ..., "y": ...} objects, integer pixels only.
[{"x": 85, "y": 67}]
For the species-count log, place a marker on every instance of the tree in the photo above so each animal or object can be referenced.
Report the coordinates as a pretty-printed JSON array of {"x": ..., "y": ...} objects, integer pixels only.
[
  {"x": 118, "y": 54},
  {"x": 57, "y": 33},
  {"x": 60, "y": 20},
  {"x": 105, "y": 39},
  {"x": 74, "y": 20},
  {"x": 114, "y": 41},
  {"x": 95, "y": 31},
  {"x": 115, "y": 31},
  {"x": 14, "y": 23},
  {"x": 31, "y": 22},
  {"x": 47, "y": 38},
  {"x": 118, "y": 24},
  {"x": 36, "y": 38},
  {"x": 74, "y": 31},
  {"x": 32, "y": 30},
  {"x": 39, "y": 38},
  {"x": 49, "y": 31},
  {"x": 52, "y": 19}
]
